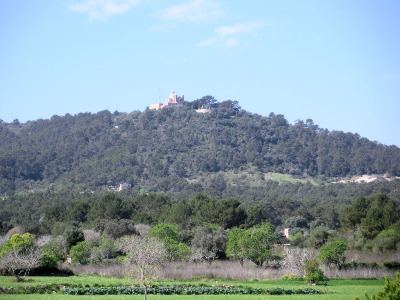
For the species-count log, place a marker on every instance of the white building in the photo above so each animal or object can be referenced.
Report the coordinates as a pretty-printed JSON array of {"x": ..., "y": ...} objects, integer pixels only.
[{"x": 124, "y": 186}]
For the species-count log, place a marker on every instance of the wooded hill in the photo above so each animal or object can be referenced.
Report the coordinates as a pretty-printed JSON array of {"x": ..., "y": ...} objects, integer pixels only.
[
  {"x": 162, "y": 150},
  {"x": 226, "y": 153}
]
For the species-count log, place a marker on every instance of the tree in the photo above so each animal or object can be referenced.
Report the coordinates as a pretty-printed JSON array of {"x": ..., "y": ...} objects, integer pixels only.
[
  {"x": 333, "y": 253},
  {"x": 73, "y": 236},
  {"x": 180, "y": 214},
  {"x": 313, "y": 273},
  {"x": 110, "y": 207},
  {"x": 4, "y": 227},
  {"x": 231, "y": 213},
  {"x": 318, "y": 237},
  {"x": 80, "y": 253},
  {"x": 118, "y": 228},
  {"x": 234, "y": 246},
  {"x": 170, "y": 236},
  {"x": 105, "y": 250},
  {"x": 297, "y": 221},
  {"x": 53, "y": 253},
  {"x": 204, "y": 209},
  {"x": 208, "y": 243},
  {"x": 163, "y": 231},
  {"x": 18, "y": 262},
  {"x": 145, "y": 257},
  {"x": 381, "y": 214},
  {"x": 20, "y": 242},
  {"x": 20, "y": 255},
  {"x": 295, "y": 257},
  {"x": 257, "y": 242}
]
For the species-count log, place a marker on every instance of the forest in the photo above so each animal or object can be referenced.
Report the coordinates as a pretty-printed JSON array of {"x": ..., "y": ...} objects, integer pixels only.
[
  {"x": 272, "y": 170},
  {"x": 176, "y": 149}
]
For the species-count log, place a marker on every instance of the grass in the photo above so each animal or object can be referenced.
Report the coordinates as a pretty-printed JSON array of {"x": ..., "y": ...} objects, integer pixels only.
[
  {"x": 281, "y": 178},
  {"x": 336, "y": 289}
]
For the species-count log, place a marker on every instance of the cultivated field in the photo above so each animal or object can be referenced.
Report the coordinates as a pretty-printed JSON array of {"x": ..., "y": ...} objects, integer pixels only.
[{"x": 337, "y": 289}]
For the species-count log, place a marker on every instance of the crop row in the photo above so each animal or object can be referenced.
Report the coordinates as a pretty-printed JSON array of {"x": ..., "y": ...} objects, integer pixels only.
[
  {"x": 172, "y": 290},
  {"x": 159, "y": 290}
]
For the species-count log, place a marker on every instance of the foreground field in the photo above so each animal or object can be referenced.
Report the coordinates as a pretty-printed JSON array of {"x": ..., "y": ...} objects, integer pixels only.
[{"x": 339, "y": 289}]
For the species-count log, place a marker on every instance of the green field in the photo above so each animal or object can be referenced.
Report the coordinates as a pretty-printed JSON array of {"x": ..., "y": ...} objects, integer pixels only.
[{"x": 336, "y": 289}]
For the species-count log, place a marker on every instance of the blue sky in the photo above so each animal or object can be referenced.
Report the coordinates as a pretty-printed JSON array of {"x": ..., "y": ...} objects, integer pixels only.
[{"x": 336, "y": 62}]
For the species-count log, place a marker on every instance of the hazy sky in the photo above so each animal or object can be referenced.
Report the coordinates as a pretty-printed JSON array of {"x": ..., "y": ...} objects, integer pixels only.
[{"x": 336, "y": 62}]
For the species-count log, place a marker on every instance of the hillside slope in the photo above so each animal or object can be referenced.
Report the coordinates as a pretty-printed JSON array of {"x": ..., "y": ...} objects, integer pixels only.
[{"x": 169, "y": 149}]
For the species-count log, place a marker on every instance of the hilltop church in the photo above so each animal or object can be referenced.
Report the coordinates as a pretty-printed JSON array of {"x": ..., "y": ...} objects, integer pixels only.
[{"x": 173, "y": 100}]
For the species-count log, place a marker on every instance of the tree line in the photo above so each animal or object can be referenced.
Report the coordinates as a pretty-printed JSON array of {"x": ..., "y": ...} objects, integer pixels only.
[{"x": 112, "y": 230}]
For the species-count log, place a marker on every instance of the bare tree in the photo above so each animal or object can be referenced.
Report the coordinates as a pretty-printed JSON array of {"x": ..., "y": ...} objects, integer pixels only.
[
  {"x": 142, "y": 229},
  {"x": 294, "y": 258},
  {"x": 208, "y": 243},
  {"x": 43, "y": 240},
  {"x": 17, "y": 262},
  {"x": 3, "y": 240},
  {"x": 92, "y": 236},
  {"x": 145, "y": 258}
]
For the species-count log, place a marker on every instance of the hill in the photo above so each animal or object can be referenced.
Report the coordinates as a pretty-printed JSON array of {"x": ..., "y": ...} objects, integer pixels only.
[
  {"x": 173, "y": 147},
  {"x": 226, "y": 153}
]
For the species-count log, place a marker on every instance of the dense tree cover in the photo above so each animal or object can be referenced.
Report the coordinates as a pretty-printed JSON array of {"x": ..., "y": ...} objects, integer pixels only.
[
  {"x": 116, "y": 216},
  {"x": 103, "y": 240},
  {"x": 160, "y": 150},
  {"x": 371, "y": 214},
  {"x": 273, "y": 203},
  {"x": 192, "y": 170}
]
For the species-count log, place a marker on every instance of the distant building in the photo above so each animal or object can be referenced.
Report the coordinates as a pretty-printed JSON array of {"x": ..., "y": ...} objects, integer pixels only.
[
  {"x": 286, "y": 232},
  {"x": 173, "y": 100},
  {"x": 124, "y": 186},
  {"x": 203, "y": 110}
]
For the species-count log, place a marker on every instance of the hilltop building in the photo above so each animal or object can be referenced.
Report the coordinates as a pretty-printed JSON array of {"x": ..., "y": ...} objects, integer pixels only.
[
  {"x": 203, "y": 110},
  {"x": 173, "y": 100}
]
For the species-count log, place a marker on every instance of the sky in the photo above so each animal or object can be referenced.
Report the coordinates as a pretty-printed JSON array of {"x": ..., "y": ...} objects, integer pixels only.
[{"x": 335, "y": 62}]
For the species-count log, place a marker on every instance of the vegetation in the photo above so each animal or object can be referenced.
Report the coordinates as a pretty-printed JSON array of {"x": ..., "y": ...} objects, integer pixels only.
[
  {"x": 391, "y": 290},
  {"x": 337, "y": 289},
  {"x": 204, "y": 189},
  {"x": 333, "y": 254},
  {"x": 144, "y": 258},
  {"x": 313, "y": 273},
  {"x": 227, "y": 153}
]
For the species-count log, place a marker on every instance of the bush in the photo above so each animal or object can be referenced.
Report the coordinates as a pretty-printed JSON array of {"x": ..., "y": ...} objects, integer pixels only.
[
  {"x": 357, "y": 264},
  {"x": 391, "y": 264},
  {"x": 80, "y": 253},
  {"x": 391, "y": 290},
  {"x": 293, "y": 277},
  {"x": 52, "y": 254},
  {"x": 313, "y": 273}
]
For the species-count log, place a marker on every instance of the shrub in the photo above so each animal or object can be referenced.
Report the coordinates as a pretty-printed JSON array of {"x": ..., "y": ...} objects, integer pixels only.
[
  {"x": 391, "y": 290},
  {"x": 52, "y": 254},
  {"x": 80, "y": 253},
  {"x": 391, "y": 264},
  {"x": 313, "y": 273},
  {"x": 293, "y": 277}
]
